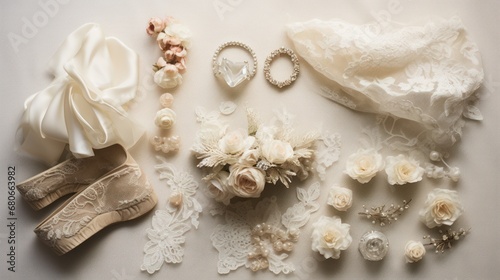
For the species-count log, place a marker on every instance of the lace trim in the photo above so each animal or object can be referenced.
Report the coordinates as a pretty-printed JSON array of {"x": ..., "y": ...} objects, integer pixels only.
[
  {"x": 166, "y": 236},
  {"x": 258, "y": 238},
  {"x": 91, "y": 203},
  {"x": 329, "y": 154},
  {"x": 335, "y": 96}
]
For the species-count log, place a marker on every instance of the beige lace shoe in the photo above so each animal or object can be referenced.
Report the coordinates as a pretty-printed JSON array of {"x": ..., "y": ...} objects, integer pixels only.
[
  {"x": 121, "y": 195},
  {"x": 70, "y": 176}
]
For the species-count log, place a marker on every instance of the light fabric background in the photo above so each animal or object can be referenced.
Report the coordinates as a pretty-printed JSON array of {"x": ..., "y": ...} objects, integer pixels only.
[{"x": 116, "y": 252}]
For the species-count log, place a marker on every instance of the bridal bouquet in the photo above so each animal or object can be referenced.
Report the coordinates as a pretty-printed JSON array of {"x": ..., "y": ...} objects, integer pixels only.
[{"x": 240, "y": 162}]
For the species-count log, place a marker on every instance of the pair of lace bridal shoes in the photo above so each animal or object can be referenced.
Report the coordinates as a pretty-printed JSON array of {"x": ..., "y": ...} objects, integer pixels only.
[{"x": 108, "y": 188}]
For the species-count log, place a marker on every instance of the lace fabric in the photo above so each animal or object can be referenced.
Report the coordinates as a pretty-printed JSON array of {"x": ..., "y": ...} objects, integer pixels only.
[
  {"x": 120, "y": 190},
  {"x": 426, "y": 74},
  {"x": 166, "y": 236},
  {"x": 251, "y": 236}
]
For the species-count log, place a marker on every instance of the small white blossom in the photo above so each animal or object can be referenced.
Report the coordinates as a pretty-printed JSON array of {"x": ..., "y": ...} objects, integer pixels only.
[
  {"x": 168, "y": 77},
  {"x": 402, "y": 169},
  {"x": 277, "y": 151},
  {"x": 218, "y": 188},
  {"x": 235, "y": 142},
  {"x": 364, "y": 165},
  {"x": 330, "y": 236},
  {"x": 340, "y": 198},
  {"x": 414, "y": 251},
  {"x": 165, "y": 118}
]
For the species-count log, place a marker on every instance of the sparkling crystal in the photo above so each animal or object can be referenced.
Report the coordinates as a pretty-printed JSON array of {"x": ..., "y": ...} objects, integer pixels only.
[
  {"x": 373, "y": 246},
  {"x": 234, "y": 72}
]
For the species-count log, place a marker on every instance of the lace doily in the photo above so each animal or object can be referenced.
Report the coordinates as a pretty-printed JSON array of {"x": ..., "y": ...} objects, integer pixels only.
[
  {"x": 258, "y": 238},
  {"x": 426, "y": 74},
  {"x": 166, "y": 236}
]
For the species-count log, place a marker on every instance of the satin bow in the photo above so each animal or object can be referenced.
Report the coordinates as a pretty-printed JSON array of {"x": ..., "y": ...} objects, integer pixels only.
[{"x": 94, "y": 76}]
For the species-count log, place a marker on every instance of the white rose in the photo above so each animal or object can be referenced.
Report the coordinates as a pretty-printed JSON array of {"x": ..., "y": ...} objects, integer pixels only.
[
  {"x": 181, "y": 32},
  {"x": 277, "y": 151},
  {"x": 402, "y": 169},
  {"x": 246, "y": 181},
  {"x": 235, "y": 142},
  {"x": 414, "y": 251},
  {"x": 330, "y": 236},
  {"x": 165, "y": 118},
  {"x": 218, "y": 188},
  {"x": 340, "y": 198},
  {"x": 249, "y": 157},
  {"x": 168, "y": 77},
  {"x": 442, "y": 207},
  {"x": 364, "y": 165}
]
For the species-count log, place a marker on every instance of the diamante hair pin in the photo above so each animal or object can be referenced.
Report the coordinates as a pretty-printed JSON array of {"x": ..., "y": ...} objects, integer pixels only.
[
  {"x": 384, "y": 216},
  {"x": 446, "y": 240}
]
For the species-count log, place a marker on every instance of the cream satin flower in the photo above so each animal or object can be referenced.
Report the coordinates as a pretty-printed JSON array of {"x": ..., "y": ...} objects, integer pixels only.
[
  {"x": 165, "y": 118},
  {"x": 180, "y": 32},
  {"x": 235, "y": 142},
  {"x": 249, "y": 158},
  {"x": 340, "y": 198},
  {"x": 218, "y": 188},
  {"x": 402, "y": 169},
  {"x": 277, "y": 151},
  {"x": 442, "y": 207},
  {"x": 414, "y": 251},
  {"x": 364, "y": 165},
  {"x": 168, "y": 76},
  {"x": 246, "y": 181},
  {"x": 330, "y": 236}
]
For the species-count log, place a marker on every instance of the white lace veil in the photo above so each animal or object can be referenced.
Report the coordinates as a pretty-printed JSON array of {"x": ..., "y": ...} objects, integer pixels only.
[{"x": 426, "y": 74}]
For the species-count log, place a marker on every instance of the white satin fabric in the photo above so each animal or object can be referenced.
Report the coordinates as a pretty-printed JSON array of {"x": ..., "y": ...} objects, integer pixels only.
[
  {"x": 94, "y": 77},
  {"x": 426, "y": 74}
]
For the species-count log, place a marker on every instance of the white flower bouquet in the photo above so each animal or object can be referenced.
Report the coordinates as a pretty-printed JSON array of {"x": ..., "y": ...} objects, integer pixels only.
[{"x": 240, "y": 162}]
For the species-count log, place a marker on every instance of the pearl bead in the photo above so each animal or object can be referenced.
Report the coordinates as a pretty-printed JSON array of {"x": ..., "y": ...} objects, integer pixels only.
[
  {"x": 175, "y": 199},
  {"x": 258, "y": 228},
  {"x": 288, "y": 246},
  {"x": 278, "y": 246},
  {"x": 454, "y": 174},
  {"x": 265, "y": 253},
  {"x": 435, "y": 156},
  {"x": 166, "y": 100}
]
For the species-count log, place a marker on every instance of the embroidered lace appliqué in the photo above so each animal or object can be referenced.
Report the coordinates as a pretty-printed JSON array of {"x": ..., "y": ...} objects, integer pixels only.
[
  {"x": 251, "y": 236},
  {"x": 166, "y": 236},
  {"x": 329, "y": 154}
]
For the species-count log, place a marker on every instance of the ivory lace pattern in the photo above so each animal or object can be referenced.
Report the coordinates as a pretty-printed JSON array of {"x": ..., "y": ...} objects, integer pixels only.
[
  {"x": 426, "y": 74},
  {"x": 94, "y": 201},
  {"x": 166, "y": 236},
  {"x": 233, "y": 239}
]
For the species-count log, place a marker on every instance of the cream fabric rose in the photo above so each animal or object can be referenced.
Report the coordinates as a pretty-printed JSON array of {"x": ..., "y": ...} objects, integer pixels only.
[
  {"x": 402, "y": 169},
  {"x": 249, "y": 157},
  {"x": 277, "y": 151},
  {"x": 181, "y": 32},
  {"x": 364, "y": 165},
  {"x": 246, "y": 181},
  {"x": 330, "y": 236},
  {"x": 165, "y": 118},
  {"x": 340, "y": 198},
  {"x": 442, "y": 207},
  {"x": 218, "y": 188},
  {"x": 168, "y": 77},
  {"x": 235, "y": 142},
  {"x": 414, "y": 251}
]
